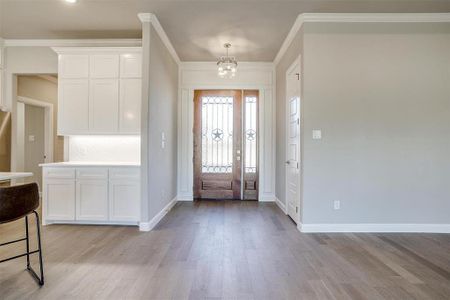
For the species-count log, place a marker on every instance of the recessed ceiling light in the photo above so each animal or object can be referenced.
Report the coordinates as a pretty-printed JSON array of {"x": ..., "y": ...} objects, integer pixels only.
[{"x": 71, "y": 1}]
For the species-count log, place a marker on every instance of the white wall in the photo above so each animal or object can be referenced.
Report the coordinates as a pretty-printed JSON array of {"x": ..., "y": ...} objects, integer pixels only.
[
  {"x": 380, "y": 93},
  {"x": 203, "y": 75}
]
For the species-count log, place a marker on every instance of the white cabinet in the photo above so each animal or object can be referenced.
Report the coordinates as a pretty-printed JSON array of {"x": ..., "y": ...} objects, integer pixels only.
[
  {"x": 97, "y": 195},
  {"x": 123, "y": 200},
  {"x": 73, "y": 66},
  {"x": 104, "y": 106},
  {"x": 59, "y": 199},
  {"x": 104, "y": 66},
  {"x": 130, "y": 105},
  {"x": 99, "y": 90},
  {"x": 92, "y": 200},
  {"x": 131, "y": 65},
  {"x": 73, "y": 106}
]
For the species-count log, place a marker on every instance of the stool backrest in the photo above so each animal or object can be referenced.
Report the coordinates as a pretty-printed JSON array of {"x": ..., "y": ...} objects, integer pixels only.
[{"x": 18, "y": 201}]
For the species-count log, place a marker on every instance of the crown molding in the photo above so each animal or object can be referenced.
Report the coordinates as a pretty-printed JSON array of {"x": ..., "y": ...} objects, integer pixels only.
[
  {"x": 377, "y": 17},
  {"x": 289, "y": 38},
  {"x": 212, "y": 65},
  {"x": 72, "y": 43},
  {"x": 97, "y": 50},
  {"x": 151, "y": 18},
  {"x": 358, "y": 18},
  {"x": 146, "y": 17}
]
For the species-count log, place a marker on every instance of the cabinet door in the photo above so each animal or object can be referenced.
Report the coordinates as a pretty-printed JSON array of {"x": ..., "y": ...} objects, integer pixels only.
[
  {"x": 73, "y": 109},
  {"x": 59, "y": 199},
  {"x": 131, "y": 65},
  {"x": 104, "y": 106},
  {"x": 130, "y": 105},
  {"x": 73, "y": 66},
  {"x": 124, "y": 200},
  {"x": 92, "y": 200},
  {"x": 104, "y": 66}
]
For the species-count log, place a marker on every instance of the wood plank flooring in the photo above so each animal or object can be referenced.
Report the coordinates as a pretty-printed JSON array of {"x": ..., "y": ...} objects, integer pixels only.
[{"x": 228, "y": 250}]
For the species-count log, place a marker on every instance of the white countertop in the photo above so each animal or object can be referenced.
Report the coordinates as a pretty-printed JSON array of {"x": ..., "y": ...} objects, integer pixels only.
[
  {"x": 14, "y": 175},
  {"x": 91, "y": 164}
]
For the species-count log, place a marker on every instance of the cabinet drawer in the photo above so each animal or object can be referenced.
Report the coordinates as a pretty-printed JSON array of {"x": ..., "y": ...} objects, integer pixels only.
[
  {"x": 92, "y": 173},
  {"x": 59, "y": 173},
  {"x": 124, "y": 173}
]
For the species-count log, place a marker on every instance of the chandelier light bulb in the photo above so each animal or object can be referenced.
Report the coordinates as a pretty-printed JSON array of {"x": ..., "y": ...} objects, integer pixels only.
[{"x": 227, "y": 65}]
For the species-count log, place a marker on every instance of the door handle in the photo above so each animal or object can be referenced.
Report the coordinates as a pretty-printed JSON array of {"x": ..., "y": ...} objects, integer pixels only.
[{"x": 288, "y": 162}]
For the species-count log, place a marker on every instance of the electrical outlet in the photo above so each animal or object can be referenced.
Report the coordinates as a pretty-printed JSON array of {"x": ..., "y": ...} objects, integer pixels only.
[{"x": 337, "y": 204}]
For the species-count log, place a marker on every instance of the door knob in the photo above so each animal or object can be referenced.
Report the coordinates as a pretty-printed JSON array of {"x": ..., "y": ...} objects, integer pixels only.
[{"x": 288, "y": 162}]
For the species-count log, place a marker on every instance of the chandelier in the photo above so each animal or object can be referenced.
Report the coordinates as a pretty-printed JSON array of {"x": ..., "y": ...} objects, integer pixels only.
[{"x": 227, "y": 65}]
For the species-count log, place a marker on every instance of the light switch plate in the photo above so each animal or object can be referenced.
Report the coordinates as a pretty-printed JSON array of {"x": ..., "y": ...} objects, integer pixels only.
[
  {"x": 337, "y": 204},
  {"x": 317, "y": 134}
]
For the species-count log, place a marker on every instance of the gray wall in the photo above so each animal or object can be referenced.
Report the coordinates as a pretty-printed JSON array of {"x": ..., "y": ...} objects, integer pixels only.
[
  {"x": 162, "y": 117},
  {"x": 44, "y": 90},
  {"x": 24, "y": 60},
  {"x": 294, "y": 50},
  {"x": 34, "y": 149},
  {"x": 380, "y": 93}
]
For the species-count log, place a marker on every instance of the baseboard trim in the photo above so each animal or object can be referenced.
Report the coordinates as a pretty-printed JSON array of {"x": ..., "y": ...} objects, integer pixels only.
[
  {"x": 267, "y": 198},
  {"x": 417, "y": 228},
  {"x": 281, "y": 205},
  {"x": 185, "y": 198},
  {"x": 147, "y": 226}
]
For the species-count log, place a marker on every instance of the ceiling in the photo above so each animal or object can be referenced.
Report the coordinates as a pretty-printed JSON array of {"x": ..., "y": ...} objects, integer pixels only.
[{"x": 197, "y": 29}]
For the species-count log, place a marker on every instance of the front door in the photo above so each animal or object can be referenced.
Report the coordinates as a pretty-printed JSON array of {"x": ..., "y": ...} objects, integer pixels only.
[
  {"x": 225, "y": 144},
  {"x": 293, "y": 141}
]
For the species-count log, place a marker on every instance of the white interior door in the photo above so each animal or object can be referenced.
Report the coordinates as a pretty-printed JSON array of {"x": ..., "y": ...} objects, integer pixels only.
[{"x": 293, "y": 141}]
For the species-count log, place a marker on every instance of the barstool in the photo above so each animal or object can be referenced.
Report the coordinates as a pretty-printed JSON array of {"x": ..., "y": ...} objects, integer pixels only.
[{"x": 18, "y": 202}]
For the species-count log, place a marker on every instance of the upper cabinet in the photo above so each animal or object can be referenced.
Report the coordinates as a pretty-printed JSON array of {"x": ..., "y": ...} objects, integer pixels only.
[
  {"x": 104, "y": 66},
  {"x": 73, "y": 66},
  {"x": 99, "y": 90}
]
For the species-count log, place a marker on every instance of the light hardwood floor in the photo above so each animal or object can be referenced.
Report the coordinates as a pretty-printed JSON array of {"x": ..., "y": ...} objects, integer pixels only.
[{"x": 228, "y": 250}]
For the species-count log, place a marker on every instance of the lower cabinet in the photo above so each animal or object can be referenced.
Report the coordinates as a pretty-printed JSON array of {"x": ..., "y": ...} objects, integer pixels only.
[
  {"x": 59, "y": 195},
  {"x": 120, "y": 207},
  {"x": 91, "y": 195},
  {"x": 92, "y": 200}
]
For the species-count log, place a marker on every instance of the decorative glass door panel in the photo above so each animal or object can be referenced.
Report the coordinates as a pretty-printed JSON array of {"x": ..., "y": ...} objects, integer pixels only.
[
  {"x": 225, "y": 144},
  {"x": 217, "y": 134},
  {"x": 250, "y": 137}
]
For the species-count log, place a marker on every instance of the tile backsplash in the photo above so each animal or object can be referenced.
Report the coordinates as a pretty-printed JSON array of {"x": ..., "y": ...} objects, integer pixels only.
[{"x": 104, "y": 148}]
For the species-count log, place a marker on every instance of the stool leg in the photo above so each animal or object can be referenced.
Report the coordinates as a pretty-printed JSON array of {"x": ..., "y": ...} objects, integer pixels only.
[
  {"x": 41, "y": 265},
  {"x": 28, "y": 242},
  {"x": 39, "y": 279}
]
